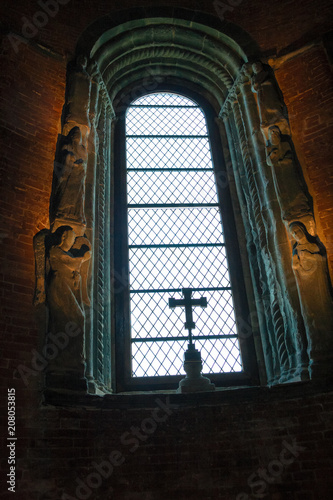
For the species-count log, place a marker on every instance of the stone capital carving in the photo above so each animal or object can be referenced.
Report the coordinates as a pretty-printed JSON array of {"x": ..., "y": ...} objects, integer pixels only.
[
  {"x": 246, "y": 73},
  {"x": 93, "y": 71},
  {"x": 97, "y": 79}
]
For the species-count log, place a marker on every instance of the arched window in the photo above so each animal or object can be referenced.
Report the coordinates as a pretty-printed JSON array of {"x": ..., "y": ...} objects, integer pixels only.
[
  {"x": 169, "y": 235},
  {"x": 141, "y": 253}
]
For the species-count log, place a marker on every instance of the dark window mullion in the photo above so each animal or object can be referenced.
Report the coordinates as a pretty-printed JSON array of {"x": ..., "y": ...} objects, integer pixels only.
[
  {"x": 164, "y": 136},
  {"x": 174, "y": 290},
  {"x": 179, "y": 245},
  {"x": 145, "y": 340},
  {"x": 171, "y": 205},
  {"x": 185, "y": 169}
]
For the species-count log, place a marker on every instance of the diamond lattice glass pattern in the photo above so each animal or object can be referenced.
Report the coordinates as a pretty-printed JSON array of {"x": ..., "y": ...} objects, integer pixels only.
[
  {"x": 153, "y": 359},
  {"x": 167, "y": 226},
  {"x": 172, "y": 247},
  {"x": 170, "y": 187},
  {"x": 178, "y": 267},
  {"x": 165, "y": 121},
  {"x": 161, "y": 152},
  {"x": 157, "y": 358},
  {"x": 162, "y": 99},
  {"x": 152, "y": 318}
]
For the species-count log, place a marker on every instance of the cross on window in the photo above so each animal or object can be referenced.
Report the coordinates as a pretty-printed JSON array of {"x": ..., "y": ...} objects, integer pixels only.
[{"x": 188, "y": 303}]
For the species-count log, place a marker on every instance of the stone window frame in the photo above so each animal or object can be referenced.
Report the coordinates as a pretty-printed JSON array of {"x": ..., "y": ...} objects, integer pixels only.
[
  {"x": 106, "y": 99},
  {"x": 195, "y": 54}
]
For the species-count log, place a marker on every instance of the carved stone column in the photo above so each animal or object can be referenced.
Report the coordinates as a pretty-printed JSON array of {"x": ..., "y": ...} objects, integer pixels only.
[
  {"x": 101, "y": 345},
  {"x": 247, "y": 183},
  {"x": 290, "y": 346},
  {"x": 267, "y": 283},
  {"x": 283, "y": 345},
  {"x": 66, "y": 247},
  {"x": 309, "y": 255},
  {"x": 251, "y": 240},
  {"x": 95, "y": 107}
]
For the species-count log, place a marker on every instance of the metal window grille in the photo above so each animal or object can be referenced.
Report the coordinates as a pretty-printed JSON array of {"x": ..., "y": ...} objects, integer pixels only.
[{"x": 175, "y": 239}]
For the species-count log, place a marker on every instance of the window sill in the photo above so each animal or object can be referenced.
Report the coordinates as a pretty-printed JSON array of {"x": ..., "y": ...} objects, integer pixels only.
[{"x": 230, "y": 395}]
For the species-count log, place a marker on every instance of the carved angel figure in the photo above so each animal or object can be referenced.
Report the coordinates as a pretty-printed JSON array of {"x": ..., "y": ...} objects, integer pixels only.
[
  {"x": 64, "y": 292},
  {"x": 311, "y": 271},
  {"x": 68, "y": 195},
  {"x": 61, "y": 284},
  {"x": 270, "y": 101},
  {"x": 288, "y": 184}
]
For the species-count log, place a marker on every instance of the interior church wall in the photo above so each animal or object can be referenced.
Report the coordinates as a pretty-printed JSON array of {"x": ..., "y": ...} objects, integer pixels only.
[
  {"x": 311, "y": 74},
  {"x": 204, "y": 448}
]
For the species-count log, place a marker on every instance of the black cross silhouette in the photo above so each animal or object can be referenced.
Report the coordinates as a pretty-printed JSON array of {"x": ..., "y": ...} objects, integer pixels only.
[{"x": 188, "y": 303}]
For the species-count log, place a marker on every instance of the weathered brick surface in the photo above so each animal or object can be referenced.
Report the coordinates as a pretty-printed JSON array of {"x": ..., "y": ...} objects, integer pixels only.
[
  {"x": 205, "y": 452},
  {"x": 280, "y": 27},
  {"x": 307, "y": 86},
  {"x": 32, "y": 93},
  {"x": 275, "y": 444}
]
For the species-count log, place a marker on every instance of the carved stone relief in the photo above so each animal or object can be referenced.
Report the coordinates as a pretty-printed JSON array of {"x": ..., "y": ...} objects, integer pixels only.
[
  {"x": 270, "y": 183},
  {"x": 78, "y": 89},
  {"x": 308, "y": 262},
  {"x": 63, "y": 252},
  {"x": 269, "y": 98},
  {"x": 68, "y": 194},
  {"x": 65, "y": 297},
  {"x": 61, "y": 286},
  {"x": 291, "y": 194}
]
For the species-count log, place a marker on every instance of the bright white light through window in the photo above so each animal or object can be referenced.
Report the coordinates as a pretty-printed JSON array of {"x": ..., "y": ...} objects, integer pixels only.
[{"x": 175, "y": 239}]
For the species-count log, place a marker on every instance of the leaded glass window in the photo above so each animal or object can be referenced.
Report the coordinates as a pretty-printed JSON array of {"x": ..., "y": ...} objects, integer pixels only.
[{"x": 175, "y": 239}]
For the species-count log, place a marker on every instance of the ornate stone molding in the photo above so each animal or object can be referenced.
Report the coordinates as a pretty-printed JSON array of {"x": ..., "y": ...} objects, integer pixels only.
[
  {"x": 96, "y": 75},
  {"x": 242, "y": 77},
  {"x": 161, "y": 53},
  {"x": 275, "y": 341},
  {"x": 101, "y": 362}
]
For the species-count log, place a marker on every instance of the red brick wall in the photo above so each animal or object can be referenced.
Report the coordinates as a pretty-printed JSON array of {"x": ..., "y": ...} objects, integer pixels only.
[
  {"x": 307, "y": 85},
  {"x": 278, "y": 27},
  {"x": 200, "y": 451},
  {"x": 32, "y": 92},
  {"x": 227, "y": 445}
]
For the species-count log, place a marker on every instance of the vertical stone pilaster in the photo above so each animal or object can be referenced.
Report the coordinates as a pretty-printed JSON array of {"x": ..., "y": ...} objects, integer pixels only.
[
  {"x": 101, "y": 342},
  {"x": 250, "y": 232},
  {"x": 308, "y": 260},
  {"x": 283, "y": 339},
  {"x": 249, "y": 179},
  {"x": 93, "y": 160},
  {"x": 273, "y": 236}
]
